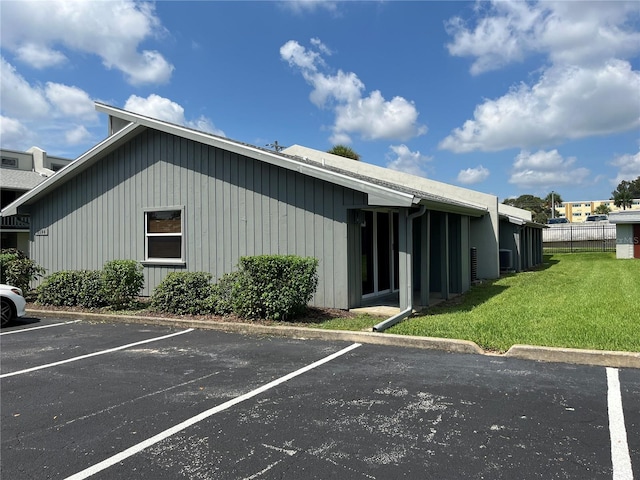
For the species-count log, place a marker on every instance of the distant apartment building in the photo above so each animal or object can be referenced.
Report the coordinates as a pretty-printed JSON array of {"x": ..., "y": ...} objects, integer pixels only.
[
  {"x": 19, "y": 173},
  {"x": 577, "y": 212}
]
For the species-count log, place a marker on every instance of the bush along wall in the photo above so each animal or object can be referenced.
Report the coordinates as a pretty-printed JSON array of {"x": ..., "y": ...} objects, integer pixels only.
[
  {"x": 183, "y": 293},
  {"x": 276, "y": 287},
  {"x": 117, "y": 286},
  {"x": 17, "y": 269}
]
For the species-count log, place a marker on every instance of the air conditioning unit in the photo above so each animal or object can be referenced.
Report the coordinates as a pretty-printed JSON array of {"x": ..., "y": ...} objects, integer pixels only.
[{"x": 506, "y": 259}]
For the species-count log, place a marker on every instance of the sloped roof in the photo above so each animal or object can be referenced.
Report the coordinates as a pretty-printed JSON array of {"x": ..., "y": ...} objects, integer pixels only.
[
  {"x": 382, "y": 187},
  {"x": 11, "y": 179},
  {"x": 628, "y": 216}
]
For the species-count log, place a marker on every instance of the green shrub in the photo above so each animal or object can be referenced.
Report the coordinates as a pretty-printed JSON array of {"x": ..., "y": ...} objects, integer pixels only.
[
  {"x": 91, "y": 291},
  {"x": 220, "y": 301},
  {"x": 122, "y": 281},
  {"x": 182, "y": 293},
  {"x": 72, "y": 288},
  {"x": 274, "y": 286},
  {"x": 17, "y": 269}
]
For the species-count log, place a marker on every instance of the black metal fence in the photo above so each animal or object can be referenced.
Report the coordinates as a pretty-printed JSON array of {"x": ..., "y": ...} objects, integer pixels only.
[{"x": 579, "y": 238}]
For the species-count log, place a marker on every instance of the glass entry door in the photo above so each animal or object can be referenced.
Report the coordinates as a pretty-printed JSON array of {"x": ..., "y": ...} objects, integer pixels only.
[{"x": 379, "y": 255}]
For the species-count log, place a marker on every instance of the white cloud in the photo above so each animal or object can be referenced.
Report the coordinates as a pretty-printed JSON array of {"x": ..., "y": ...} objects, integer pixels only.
[
  {"x": 70, "y": 101},
  {"x": 546, "y": 169},
  {"x": 371, "y": 117},
  {"x": 114, "y": 30},
  {"x": 161, "y": 108},
  {"x": 77, "y": 135},
  {"x": 402, "y": 159},
  {"x": 628, "y": 167},
  {"x": 579, "y": 33},
  {"x": 308, "y": 6},
  {"x": 473, "y": 175},
  {"x": 39, "y": 56},
  {"x": 14, "y": 134},
  {"x": 19, "y": 98},
  {"x": 566, "y": 103}
]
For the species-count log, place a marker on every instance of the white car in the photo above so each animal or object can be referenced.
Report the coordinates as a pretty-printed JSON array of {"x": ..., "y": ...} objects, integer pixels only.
[{"x": 12, "y": 303}]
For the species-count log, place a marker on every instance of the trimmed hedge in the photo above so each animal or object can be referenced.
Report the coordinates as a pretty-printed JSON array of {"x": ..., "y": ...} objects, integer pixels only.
[
  {"x": 116, "y": 286},
  {"x": 183, "y": 293},
  {"x": 277, "y": 287},
  {"x": 17, "y": 269},
  {"x": 73, "y": 288},
  {"x": 221, "y": 298},
  {"x": 122, "y": 281}
]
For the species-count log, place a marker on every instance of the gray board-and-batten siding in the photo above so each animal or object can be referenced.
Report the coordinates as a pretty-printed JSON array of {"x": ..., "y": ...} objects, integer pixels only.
[{"x": 233, "y": 206}]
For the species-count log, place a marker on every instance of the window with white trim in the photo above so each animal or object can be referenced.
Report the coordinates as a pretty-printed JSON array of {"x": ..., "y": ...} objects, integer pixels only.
[{"x": 163, "y": 230}]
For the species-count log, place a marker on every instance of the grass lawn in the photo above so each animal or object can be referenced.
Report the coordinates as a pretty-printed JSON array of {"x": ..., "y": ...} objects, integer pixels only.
[{"x": 587, "y": 300}]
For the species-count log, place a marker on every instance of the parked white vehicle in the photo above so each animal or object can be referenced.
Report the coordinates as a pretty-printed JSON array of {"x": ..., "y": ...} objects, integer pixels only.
[
  {"x": 597, "y": 219},
  {"x": 12, "y": 303}
]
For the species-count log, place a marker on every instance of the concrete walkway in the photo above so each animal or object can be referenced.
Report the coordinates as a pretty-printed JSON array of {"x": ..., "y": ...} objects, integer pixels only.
[{"x": 526, "y": 352}]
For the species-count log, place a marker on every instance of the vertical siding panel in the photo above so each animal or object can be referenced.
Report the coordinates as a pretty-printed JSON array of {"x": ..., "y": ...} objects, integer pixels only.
[
  {"x": 242, "y": 205},
  {"x": 309, "y": 215},
  {"x": 196, "y": 218},
  {"x": 318, "y": 225},
  {"x": 234, "y": 212},
  {"x": 226, "y": 199},
  {"x": 251, "y": 194},
  {"x": 202, "y": 181},
  {"x": 219, "y": 209}
]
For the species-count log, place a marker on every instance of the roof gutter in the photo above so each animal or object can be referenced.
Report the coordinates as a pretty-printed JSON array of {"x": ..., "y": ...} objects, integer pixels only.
[{"x": 407, "y": 311}]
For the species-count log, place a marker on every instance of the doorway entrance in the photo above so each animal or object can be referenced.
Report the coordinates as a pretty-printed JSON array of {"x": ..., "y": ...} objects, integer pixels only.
[{"x": 380, "y": 272}]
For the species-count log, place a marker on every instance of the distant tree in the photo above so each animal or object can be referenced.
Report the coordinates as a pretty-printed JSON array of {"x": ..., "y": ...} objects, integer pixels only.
[
  {"x": 344, "y": 151},
  {"x": 536, "y": 205},
  {"x": 633, "y": 186},
  {"x": 553, "y": 200},
  {"x": 602, "y": 209},
  {"x": 622, "y": 196}
]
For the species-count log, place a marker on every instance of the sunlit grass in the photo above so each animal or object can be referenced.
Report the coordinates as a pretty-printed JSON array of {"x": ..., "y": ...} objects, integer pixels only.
[{"x": 589, "y": 300}]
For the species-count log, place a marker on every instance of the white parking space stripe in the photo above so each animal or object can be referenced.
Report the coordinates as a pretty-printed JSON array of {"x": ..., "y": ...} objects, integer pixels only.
[
  {"x": 22, "y": 330},
  {"x": 98, "y": 467},
  {"x": 102, "y": 352},
  {"x": 620, "y": 456}
]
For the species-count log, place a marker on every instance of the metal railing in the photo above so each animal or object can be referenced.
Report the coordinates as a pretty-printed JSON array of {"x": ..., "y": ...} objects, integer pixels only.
[
  {"x": 600, "y": 237},
  {"x": 17, "y": 222}
]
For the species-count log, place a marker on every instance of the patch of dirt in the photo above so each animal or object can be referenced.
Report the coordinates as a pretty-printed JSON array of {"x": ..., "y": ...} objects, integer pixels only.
[{"x": 312, "y": 315}]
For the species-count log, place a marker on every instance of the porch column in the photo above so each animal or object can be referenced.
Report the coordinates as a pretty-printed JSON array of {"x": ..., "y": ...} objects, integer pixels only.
[
  {"x": 444, "y": 268},
  {"x": 425, "y": 252},
  {"x": 404, "y": 257}
]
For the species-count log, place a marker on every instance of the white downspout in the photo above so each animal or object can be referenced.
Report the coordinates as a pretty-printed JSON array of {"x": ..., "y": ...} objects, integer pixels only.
[{"x": 389, "y": 322}]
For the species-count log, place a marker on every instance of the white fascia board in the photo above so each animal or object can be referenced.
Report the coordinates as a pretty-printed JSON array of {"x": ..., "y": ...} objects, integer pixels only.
[
  {"x": 376, "y": 193},
  {"x": 73, "y": 168}
]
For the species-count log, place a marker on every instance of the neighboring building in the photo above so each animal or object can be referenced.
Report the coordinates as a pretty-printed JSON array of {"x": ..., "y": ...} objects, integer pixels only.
[
  {"x": 627, "y": 233},
  {"x": 19, "y": 173},
  {"x": 178, "y": 199},
  {"x": 577, "y": 212}
]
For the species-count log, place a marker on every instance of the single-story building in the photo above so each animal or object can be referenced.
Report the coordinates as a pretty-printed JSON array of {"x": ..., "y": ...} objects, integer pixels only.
[
  {"x": 176, "y": 199},
  {"x": 520, "y": 239},
  {"x": 627, "y": 233}
]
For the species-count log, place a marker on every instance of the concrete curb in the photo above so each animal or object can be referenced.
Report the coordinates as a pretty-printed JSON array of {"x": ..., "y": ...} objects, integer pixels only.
[
  {"x": 578, "y": 356},
  {"x": 524, "y": 352}
]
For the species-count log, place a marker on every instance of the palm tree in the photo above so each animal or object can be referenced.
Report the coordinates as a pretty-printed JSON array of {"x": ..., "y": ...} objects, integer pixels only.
[
  {"x": 602, "y": 209},
  {"x": 344, "y": 151},
  {"x": 551, "y": 202},
  {"x": 622, "y": 196}
]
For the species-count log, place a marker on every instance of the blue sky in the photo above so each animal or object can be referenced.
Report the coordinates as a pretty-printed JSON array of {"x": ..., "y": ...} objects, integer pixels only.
[{"x": 502, "y": 97}]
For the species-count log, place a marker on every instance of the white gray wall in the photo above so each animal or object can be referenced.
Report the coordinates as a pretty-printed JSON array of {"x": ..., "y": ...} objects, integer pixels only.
[{"x": 234, "y": 206}]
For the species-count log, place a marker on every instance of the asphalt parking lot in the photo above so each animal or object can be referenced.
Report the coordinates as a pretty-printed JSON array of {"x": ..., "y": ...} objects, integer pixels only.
[{"x": 116, "y": 401}]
